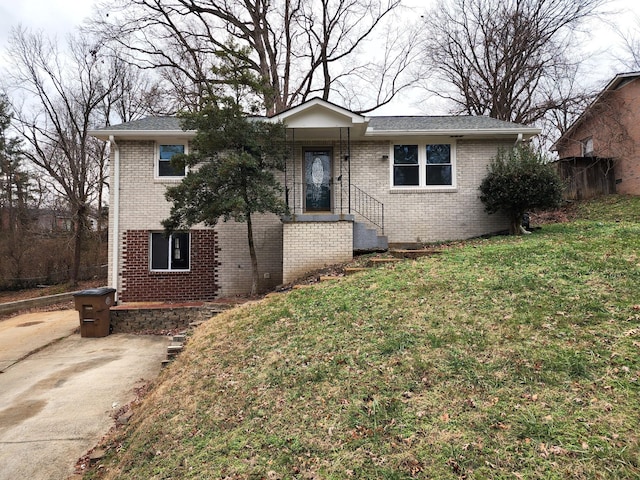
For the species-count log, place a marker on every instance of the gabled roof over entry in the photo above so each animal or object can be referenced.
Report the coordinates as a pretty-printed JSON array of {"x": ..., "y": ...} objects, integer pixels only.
[
  {"x": 319, "y": 119},
  {"x": 318, "y": 113}
]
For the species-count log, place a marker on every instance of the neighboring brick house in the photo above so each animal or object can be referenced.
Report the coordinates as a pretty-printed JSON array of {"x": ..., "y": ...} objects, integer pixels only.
[
  {"x": 606, "y": 135},
  {"x": 352, "y": 183}
]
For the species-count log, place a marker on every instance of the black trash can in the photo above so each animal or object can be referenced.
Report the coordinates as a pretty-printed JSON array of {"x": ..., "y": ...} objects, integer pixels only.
[{"x": 93, "y": 305}]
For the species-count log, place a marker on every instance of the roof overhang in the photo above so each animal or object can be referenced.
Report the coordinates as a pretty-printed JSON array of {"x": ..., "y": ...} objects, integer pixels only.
[
  {"x": 106, "y": 134},
  {"x": 525, "y": 132}
]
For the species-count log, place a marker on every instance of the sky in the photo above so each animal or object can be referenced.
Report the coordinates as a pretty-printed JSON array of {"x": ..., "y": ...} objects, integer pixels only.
[
  {"x": 53, "y": 16},
  {"x": 58, "y": 17}
]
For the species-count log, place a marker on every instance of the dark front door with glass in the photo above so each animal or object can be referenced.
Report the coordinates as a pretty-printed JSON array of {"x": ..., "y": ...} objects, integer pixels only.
[{"x": 317, "y": 177}]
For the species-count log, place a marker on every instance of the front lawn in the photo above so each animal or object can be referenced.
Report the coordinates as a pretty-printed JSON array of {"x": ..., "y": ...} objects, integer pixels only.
[{"x": 509, "y": 357}]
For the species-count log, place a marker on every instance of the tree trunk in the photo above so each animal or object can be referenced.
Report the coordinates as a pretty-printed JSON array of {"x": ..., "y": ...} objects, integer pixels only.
[
  {"x": 516, "y": 222},
  {"x": 254, "y": 258},
  {"x": 78, "y": 224}
]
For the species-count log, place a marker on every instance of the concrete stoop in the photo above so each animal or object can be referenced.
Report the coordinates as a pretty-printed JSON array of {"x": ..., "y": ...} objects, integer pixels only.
[{"x": 366, "y": 239}]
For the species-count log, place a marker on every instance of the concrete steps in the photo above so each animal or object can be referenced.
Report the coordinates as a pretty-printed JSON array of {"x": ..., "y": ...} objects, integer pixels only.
[
  {"x": 397, "y": 255},
  {"x": 413, "y": 254},
  {"x": 366, "y": 239},
  {"x": 174, "y": 348}
]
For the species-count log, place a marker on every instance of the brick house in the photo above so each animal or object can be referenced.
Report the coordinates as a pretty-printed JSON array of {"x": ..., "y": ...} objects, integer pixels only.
[
  {"x": 352, "y": 183},
  {"x": 606, "y": 136}
]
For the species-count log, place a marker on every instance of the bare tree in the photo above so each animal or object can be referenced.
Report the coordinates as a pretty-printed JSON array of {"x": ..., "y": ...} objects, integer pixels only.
[
  {"x": 575, "y": 99},
  {"x": 630, "y": 59},
  {"x": 299, "y": 48},
  {"x": 512, "y": 59},
  {"x": 63, "y": 93},
  {"x": 134, "y": 93}
]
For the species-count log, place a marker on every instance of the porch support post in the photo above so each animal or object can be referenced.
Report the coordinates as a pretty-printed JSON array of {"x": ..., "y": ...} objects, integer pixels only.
[
  {"x": 293, "y": 156},
  {"x": 286, "y": 161},
  {"x": 340, "y": 176},
  {"x": 349, "y": 164}
]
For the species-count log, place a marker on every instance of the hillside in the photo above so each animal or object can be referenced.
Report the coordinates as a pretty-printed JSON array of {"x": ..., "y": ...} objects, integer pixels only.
[{"x": 500, "y": 358}]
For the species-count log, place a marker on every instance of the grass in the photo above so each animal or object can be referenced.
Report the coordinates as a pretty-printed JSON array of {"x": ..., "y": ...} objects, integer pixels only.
[{"x": 509, "y": 357}]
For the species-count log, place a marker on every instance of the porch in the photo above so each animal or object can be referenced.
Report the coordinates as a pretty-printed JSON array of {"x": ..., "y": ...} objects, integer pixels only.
[
  {"x": 331, "y": 217},
  {"x": 311, "y": 242}
]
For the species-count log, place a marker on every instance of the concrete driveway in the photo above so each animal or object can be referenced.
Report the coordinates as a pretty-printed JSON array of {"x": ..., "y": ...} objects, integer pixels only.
[{"x": 58, "y": 391}]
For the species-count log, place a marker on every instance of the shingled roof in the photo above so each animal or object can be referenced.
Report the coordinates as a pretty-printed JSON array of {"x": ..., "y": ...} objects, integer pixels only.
[
  {"x": 149, "y": 124},
  {"x": 432, "y": 123},
  {"x": 372, "y": 125}
]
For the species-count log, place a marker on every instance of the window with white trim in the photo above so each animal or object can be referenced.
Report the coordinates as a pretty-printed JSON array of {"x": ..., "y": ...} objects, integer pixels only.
[
  {"x": 424, "y": 165},
  {"x": 165, "y": 153},
  {"x": 587, "y": 147},
  {"x": 170, "y": 253},
  {"x": 406, "y": 168}
]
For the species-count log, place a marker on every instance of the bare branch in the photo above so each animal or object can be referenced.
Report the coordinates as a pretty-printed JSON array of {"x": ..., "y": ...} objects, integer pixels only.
[
  {"x": 504, "y": 58},
  {"x": 297, "y": 47}
]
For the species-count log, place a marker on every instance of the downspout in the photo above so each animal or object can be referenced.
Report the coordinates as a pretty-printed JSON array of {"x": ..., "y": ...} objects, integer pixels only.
[
  {"x": 519, "y": 140},
  {"x": 115, "y": 210}
]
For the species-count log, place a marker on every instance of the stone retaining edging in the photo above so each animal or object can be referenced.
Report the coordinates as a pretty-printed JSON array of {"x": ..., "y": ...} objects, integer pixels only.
[
  {"x": 141, "y": 319},
  {"x": 12, "y": 307}
]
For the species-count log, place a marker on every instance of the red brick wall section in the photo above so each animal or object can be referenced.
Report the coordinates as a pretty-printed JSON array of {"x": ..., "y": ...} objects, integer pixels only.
[
  {"x": 140, "y": 284},
  {"x": 614, "y": 125}
]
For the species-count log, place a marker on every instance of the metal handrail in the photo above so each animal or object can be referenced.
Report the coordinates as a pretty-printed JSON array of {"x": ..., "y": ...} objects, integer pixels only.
[
  {"x": 359, "y": 202},
  {"x": 367, "y": 207}
]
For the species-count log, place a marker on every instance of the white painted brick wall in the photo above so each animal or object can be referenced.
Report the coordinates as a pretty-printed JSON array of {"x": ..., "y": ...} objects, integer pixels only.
[
  {"x": 313, "y": 245},
  {"x": 424, "y": 216},
  {"x": 414, "y": 216},
  {"x": 234, "y": 272},
  {"x": 143, "y": 206}
]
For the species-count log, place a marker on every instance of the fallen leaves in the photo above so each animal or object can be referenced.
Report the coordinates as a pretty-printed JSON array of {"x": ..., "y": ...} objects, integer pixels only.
[{"x": 546, "y": 450}]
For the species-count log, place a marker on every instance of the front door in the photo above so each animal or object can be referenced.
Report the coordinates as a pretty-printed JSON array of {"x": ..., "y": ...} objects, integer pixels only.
[{"x": 317, "y": 178}]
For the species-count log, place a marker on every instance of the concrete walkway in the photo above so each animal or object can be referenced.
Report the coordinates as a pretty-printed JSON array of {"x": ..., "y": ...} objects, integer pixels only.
[
  {"x": 21, "y": 335},
  {"x": 58, "y": 391}
]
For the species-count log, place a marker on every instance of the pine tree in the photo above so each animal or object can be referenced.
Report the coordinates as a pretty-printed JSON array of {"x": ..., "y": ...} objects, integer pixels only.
[{"x": 233, "y": 162}]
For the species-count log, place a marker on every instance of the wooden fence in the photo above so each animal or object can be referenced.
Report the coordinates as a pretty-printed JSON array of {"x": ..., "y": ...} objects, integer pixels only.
[{"x": 587, "y": 177}]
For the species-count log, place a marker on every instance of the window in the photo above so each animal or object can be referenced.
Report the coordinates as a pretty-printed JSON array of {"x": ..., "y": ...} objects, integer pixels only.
[
  {"x": 170, "y": 253},
  {"x": 587, "y": 147},
  {"x": 165, "y": 152},
  {"x": 406, "y": 170},
  {"x": 423, "y": 165},
  {"x": 439, "y": 164}
]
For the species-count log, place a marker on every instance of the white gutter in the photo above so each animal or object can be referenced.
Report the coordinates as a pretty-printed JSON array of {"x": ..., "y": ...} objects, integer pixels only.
[
  {"x": 106, "y": 134},
  {"x": 115, "y": 210},
  {"x": 497, "y": 132}
]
